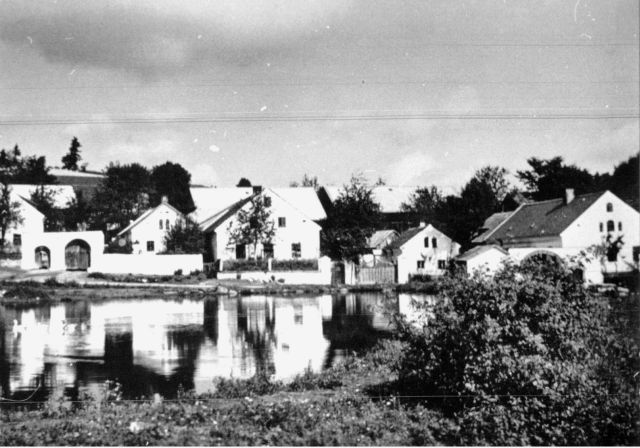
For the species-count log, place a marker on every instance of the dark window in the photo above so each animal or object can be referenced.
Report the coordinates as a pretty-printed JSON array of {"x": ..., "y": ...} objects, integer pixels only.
[
  {"x": 282, "y": 222},
  {"x": 420, "y": 264},
  {"x": 166, "y": 224},
  {"x": 267, "y": 250},
  {"x": 17, "y": 239},
  {"x": 442, "y": 264},
  {"x": 611, "y": 226},
  {"x": 151, "y": 246},
  {"x": 426, "y": 242},
  {"x": 160, "y": 224},
  {"x": 620, "y": 225},
  {"x": 609, "y": 207},
  {"x": 434, "y": 243},
  {"x": 601, "y": 227},
  {"x": 636, "y": 253},
  {"x": 267, "y": 201},
  {"x": 296, "y": 250},
  {"x": 241, "y": 253}
]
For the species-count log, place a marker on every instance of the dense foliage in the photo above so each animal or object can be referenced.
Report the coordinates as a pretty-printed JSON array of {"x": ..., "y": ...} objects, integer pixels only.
[
  {"x": 184, "y": 238},
  {"x": 528, "y": 357},
  {"x": 297, "y": 264},
  {"x": 354, "y": 217},
  {"x": 172, "y": 180},
  {"x": 70, "y": 160},
  {"x": 253, "y": 225}
]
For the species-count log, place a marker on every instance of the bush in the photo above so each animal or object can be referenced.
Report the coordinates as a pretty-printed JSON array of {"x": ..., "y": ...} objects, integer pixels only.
[
  {"x": 528, "y": 357},
  {"x": 297, "y": 264},
  {"x": 10, "y": 255},
  {"x": 184, "y": 238},
  {"x": 244, "y": 265},
  {"x": 25, "y": 292}
]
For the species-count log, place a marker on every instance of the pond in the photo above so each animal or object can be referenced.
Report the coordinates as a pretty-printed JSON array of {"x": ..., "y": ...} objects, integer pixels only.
[{"x": 166, "y": 344}]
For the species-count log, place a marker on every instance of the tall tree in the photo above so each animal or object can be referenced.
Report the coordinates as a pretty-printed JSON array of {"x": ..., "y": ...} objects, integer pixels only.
[
  {"x": 625, "y": 181},
  {"x": 548, "y": 179},
  {"x": 121, "y": 197},
  {"x": 24, "y": 170},
  {"x": 9, "y": 211},
  {"x": 352, "y": 220},
  {"x": 244, "y": 182},
  {"x": 253, "y": 225},
  {"x": 45, "y": 201},
  {"x": 172, "y": 180},
  {"x": 427, "y": 202},
  {"x": 71, "y": 159}
]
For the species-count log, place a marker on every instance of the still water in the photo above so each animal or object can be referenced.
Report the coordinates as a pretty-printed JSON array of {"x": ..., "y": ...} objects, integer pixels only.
[{"x": 161, "y": 345}]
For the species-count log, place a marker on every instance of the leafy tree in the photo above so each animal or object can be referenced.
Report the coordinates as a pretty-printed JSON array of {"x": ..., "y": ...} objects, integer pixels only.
[
  {"x": 9, "y": 211},
  {"x": 77, "y": 214},
  {"x": 244, "y": 182},
  {"x": 307, "y": 181},
  {"x": 44, "y": 200},
  {"x": 172, "y": 180},
  {"x": 121, "y": 197},
  {"x": 354, "y": 217},
  {"x": 253, "y": 225},
  {"x": 548, "y": 179},
  {"x": 24, "y": 170},
  {"x": 496, "y": 178},
  {"x": 71, "y": 159},
  {"x": 427, "y": 202},
  {"x": 528, "y": 357},
  {"x": 184, "y": 238},
  {"x": 625, "y": 181}
]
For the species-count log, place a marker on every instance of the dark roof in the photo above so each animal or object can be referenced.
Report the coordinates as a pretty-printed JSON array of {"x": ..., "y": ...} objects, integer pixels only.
[
  {"x": 489, "y": 226},
  {"x": 405, "y": 236},
  {"x": 479, "y": 250},
  {"x": 217, "y": 219},
  {"x": 542, "y": 219}
]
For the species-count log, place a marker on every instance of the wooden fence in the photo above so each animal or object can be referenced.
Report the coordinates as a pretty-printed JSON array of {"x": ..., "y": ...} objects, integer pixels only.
[{"x": 377, "y": 274}]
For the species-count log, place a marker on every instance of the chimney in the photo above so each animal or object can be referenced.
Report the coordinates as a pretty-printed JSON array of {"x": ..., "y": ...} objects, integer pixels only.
[
  {"x": 568, "y": 195},
  {"x": 165, "y": 199}
]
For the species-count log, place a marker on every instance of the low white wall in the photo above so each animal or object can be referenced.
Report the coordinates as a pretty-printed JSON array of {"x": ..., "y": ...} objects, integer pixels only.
[
  {"x": 320, "y": 277},
  {"x": 147, "y": 264}
]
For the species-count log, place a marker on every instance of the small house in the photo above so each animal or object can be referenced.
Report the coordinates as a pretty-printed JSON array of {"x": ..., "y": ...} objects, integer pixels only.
[
  {"x": 422, "y": 250},
  {"x": 484, "y": 259}
]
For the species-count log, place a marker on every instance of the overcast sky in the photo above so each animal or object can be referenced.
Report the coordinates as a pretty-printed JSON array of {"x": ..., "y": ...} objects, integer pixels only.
[{"x": 95, "y": 69}]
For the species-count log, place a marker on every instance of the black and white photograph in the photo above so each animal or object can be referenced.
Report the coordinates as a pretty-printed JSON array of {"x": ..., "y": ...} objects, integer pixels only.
[{"x": 319, "y": 222}]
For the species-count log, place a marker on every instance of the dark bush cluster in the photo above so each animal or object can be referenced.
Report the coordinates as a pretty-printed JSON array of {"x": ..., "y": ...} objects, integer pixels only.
[
  {"x": 297, "y": 264},
  {"x": 245, "y": 265},
  {"x": 528, "y": 357}
]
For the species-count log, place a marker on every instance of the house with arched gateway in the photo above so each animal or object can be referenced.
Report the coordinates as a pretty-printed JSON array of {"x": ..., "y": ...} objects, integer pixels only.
[{"x": 597, "y": 223}]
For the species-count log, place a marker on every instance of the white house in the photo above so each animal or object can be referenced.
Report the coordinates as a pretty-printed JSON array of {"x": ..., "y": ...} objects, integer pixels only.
[
  {"x": 422, "y": 250},
  {"x": 32, "y": 222},
  {"x": 566, "y": 226},
  {"x": 485, "y": 259},
  {"x": 146, "y": 234},
  {"x": 296, "y": 234}
]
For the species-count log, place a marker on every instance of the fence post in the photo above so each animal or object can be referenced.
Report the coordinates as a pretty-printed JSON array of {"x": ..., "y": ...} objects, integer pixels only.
[{"x": 269, "y": 264}]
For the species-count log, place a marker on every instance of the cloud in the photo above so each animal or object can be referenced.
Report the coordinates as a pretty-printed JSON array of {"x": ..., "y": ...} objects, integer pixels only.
[
  {"x": 410, "y": 169},
  {"x": 157, "y": 36}
]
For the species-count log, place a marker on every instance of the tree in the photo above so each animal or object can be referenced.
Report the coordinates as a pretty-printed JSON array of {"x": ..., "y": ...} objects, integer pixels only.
[
  {"x": 9, "y": 211},
  {"x": 307, "y": 181},
  {"x": 44, "y": 200},
  {"x": 244, "y": 182},
  {"x": 184, "y": 238},
  {"x": 77, "y": 214},
  {"x": 71, "y": 159},
  {"x": 253, "y": 225},
  {"x": 353, "y": 219},
  {"x": 121, "y": 197},
  {"x": 529, "y": 356},
  {"x": 172, "y": 180},
  {"x": 548, "y": 179},
  {"x": 496, "y": 178},
  {"x": 625, "y": 181},
  {"x": 24, "y": 170},
  {"x": 427, "y": 202}
]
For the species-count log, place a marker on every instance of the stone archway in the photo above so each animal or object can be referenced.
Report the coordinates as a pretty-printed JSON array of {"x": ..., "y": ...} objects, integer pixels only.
[
  {"x": 42, "y": 257},
  {"x": 77, "y": 255}
]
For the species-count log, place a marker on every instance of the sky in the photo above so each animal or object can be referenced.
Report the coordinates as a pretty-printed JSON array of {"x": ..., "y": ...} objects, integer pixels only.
[{"x": 415, "y": 92}]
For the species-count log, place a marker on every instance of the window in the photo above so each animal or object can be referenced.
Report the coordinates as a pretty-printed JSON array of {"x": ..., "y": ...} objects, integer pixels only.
[
  {"x": 296, "y": 250},
  {"x": 282, "y": 222},
  {"x": 442, "y": 264},
  {"x": 420, "y": 264},
  {"x": 267, "y": 201},
  {"x": 434, "y": 243},
  {"x": 636, "y": 253},
  {"x": 611, "y": 226},
  {"x": 160, "y": 224},
  {"x": 609, "y": 207},
  {"x": 601, "y": 227},
  {"x": 267, "y": 250},
  {"x": 166, "y": 224},
  {"x": 241, "y": 253},
  {"x": 17, "y": 239},
  {"x": 426, "y": 242},
  {"x": 620, "y": 226},
  {"x": 151, "y": 245}
]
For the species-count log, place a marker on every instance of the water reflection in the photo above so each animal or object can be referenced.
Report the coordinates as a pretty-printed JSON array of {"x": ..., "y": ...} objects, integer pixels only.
[{"x": 160, "y": 345}]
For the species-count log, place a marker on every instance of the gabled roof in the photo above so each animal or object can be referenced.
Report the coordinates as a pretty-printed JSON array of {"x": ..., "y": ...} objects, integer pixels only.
[
  {"x": 405, "y": 236},
  {"x": 379, "y": 238},
  {"x": 305, "y": 199},
  {"x": 145, "y": 215},
  {"x": 471, "y": 253},
  {"x": 490, "y": 225},
  {"x": 63, "y": 193},
  {"x": 215, "y": 220},
  {"x": 17, "y": 197},
  {"x": 210, "y": 201},
  {"x": 542, "y": 219}
]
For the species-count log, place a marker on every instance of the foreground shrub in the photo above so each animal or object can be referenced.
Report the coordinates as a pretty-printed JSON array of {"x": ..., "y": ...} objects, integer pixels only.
[
  {"x": 245, "y": 265},
  {"x": 25, "y": 292},
  {"x": 297, "y": 264},
  {"x": 528, "y": 357}
]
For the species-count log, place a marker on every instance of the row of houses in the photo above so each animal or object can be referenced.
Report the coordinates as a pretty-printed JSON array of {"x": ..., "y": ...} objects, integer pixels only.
[{"x": 403, "y": 248}]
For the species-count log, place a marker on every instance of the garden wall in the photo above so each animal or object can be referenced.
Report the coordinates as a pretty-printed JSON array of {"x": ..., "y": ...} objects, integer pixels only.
[
  {"x": 322, "y": 276},
  {"x": 147, "y": 264}
]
